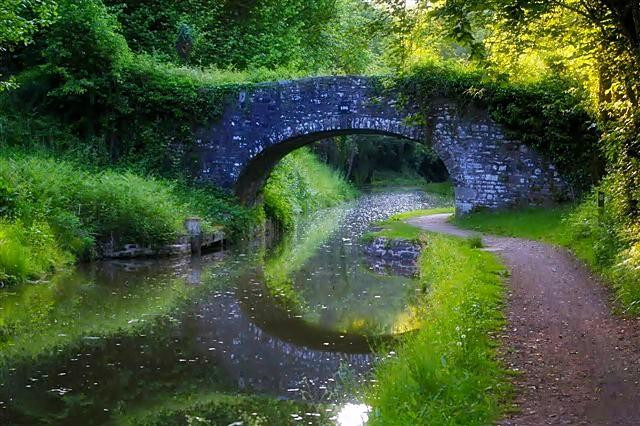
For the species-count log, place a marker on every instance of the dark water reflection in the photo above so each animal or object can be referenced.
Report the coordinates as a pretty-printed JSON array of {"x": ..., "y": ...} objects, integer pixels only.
[{"x": 294, "y": 321}]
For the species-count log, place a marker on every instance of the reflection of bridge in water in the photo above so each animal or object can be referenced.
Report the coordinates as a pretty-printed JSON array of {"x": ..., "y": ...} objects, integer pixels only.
[{"x": 258, "y": 360}]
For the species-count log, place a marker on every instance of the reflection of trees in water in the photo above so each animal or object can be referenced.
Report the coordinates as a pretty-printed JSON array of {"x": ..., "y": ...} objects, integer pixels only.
[{"x": 329, "y": 284}]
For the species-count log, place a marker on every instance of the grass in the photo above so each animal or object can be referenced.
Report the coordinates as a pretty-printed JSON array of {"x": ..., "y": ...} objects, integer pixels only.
[
  {"x": 421, "y": 212},
  {"x": 447, "y": 373},
  {"x": 444, "y": 189},
  {"x": 29, "y": 251},
  {"x": 54, "y": 211},
  {"x": 551, "y": 225},
  {"x": 410, "y": 179},
  {"x": 405, "y": 179},
  {"x": 396, "y": 228}
]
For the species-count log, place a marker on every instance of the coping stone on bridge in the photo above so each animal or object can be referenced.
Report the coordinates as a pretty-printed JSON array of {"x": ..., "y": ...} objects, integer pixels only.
[{"x": 264, "y": 122}]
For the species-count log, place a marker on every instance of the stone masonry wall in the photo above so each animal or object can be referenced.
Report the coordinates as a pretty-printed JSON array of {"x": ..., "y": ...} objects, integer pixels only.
[{"x": 264, "y": 123}]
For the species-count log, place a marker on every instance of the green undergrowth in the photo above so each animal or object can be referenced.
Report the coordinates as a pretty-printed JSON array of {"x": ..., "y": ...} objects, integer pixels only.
[
  {"x": 411, "y": 179},
  {"x": 301, "y": 184},
  {"x": 447, "y": 372},
  {"x": 597, "y": 237},
  {"x": 444, "y": 189},
  {"x": 54, "y": 211},
  {"x": 405, "y": 178}
]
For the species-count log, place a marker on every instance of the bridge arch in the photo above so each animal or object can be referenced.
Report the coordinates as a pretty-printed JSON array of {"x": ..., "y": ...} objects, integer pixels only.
[{"x": 262, "y": 124}]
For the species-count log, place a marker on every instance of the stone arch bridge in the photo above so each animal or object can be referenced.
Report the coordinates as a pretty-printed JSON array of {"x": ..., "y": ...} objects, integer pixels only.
[{"x": 262, "y": 124}]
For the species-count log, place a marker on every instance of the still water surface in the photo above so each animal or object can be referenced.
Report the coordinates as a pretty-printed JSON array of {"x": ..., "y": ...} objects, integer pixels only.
[{"x": 294, "y": 321}]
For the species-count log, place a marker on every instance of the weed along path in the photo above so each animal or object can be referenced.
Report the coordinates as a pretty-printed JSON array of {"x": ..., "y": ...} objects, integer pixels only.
[{"x": 580, "y": 364}]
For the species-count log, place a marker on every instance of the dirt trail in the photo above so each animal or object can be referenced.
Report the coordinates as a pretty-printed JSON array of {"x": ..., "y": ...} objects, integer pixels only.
[{"x": 580, "y": 363}]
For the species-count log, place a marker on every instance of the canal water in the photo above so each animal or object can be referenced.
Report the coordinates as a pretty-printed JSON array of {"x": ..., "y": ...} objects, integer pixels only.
[{"x": 294, "y": 321}]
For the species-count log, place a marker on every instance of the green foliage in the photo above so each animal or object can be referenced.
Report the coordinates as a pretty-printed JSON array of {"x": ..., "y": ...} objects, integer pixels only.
[
  {"x": 90, "y": 205},
  {"x": 219, "y": 208},
  {"x": 19, "y": 21},
  {"x": 54, "y": 210},
  {"x": 444, "y": 189},
  {"x": 300, "y": 184},
  {"x": 370, "y": 158},
  {"x": 29, "y": 251},
  {"x": 546, "y": 115},
  {"x": 447, "y": 372},
  {"x": 238, "y": 34},
  {"x": 82, "y": 55}
]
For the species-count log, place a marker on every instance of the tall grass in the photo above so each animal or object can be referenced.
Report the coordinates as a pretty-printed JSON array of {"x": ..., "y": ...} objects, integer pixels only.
[
  {"x": 28, "y": 251},
  {"x": 53, "y": 211},
  {"x": 447, "y": 373}
]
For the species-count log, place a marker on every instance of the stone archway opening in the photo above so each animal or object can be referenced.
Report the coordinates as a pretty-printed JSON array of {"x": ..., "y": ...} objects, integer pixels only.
[{"x": 251, "y": 181}]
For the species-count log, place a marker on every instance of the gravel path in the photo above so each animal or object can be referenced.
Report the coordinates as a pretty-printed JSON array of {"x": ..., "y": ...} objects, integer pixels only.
[{"x": 580, "y": 363}]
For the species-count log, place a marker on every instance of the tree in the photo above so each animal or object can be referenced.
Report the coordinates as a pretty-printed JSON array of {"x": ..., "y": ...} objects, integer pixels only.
[{"x": 19, "y": 21}]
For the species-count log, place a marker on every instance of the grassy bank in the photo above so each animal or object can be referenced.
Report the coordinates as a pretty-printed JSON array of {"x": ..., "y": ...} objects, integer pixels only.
[
  {"x": 447, "y": 372},
  {"x": 300, "y": 184},
  {"x": 396, "y": 228},
  {"x": 594, "y": 236},
  {"x": 411, "y": 179},
  {"x": 53, "y": 212}
]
